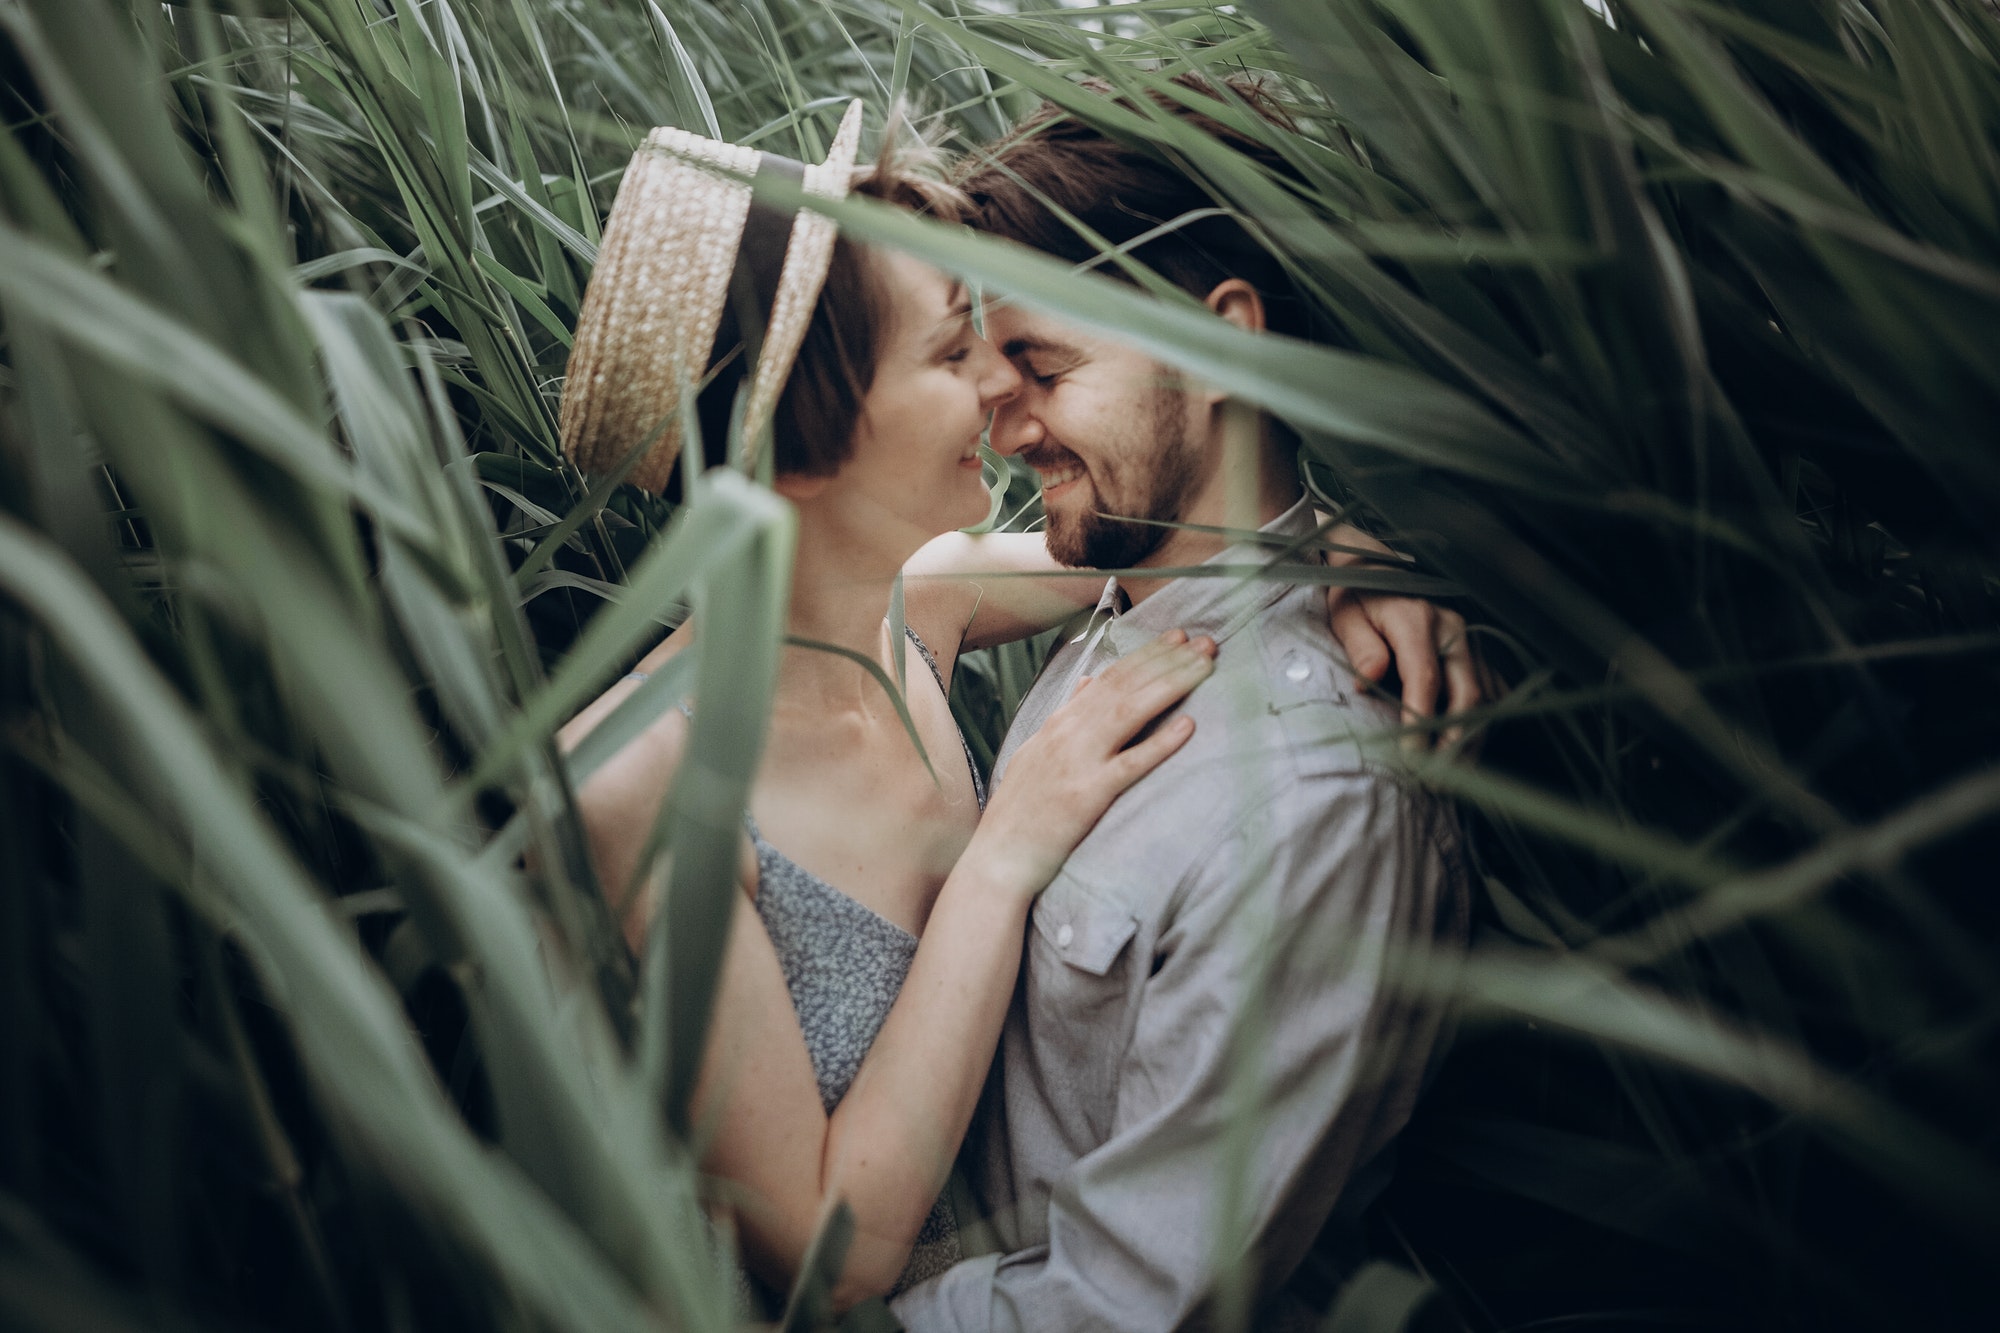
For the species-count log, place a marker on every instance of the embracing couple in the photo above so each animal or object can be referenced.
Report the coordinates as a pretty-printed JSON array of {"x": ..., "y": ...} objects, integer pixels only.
[{"x": 1192, "y": 914}]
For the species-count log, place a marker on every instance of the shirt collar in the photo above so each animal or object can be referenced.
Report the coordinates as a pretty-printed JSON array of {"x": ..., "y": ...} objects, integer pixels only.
[{"x": 1213, "y": 604}]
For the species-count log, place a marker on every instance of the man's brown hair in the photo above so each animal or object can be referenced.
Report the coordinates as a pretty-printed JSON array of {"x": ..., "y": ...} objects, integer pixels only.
[{"x": 1123, "y": 190}]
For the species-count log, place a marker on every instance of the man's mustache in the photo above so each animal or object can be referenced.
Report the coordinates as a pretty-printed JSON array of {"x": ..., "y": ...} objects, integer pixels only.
[{"x": 1051, "y": 458}]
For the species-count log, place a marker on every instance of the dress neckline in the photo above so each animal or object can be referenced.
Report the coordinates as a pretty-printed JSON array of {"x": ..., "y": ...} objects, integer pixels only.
[{"x": 764, "y": 849}]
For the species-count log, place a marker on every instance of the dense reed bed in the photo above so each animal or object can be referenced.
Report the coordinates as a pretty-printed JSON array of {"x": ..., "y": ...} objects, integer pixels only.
[{"x": 1660, "y": 334}]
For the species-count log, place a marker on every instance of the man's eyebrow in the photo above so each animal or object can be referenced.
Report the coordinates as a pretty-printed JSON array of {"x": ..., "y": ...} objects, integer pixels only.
[{"x": 1029, "y": 344}]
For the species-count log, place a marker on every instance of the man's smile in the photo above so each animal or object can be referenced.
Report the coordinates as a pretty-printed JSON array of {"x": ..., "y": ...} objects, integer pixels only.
[{"x": 1054, "y": 479}]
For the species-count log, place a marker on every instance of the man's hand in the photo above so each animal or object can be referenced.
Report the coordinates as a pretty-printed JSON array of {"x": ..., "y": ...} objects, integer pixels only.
[{"x": 1425, "y": 642}]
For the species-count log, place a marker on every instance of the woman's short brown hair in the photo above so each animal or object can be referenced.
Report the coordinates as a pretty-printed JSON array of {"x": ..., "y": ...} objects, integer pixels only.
[{"x": 812, "y": 428}]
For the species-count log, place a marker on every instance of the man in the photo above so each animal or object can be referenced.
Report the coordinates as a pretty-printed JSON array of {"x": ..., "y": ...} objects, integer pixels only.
[{"x": 1227, "y": 1003}]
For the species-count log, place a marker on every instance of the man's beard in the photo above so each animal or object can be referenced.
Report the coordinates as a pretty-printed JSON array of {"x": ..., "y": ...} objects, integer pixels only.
[{"x": 1100, "y": 540}]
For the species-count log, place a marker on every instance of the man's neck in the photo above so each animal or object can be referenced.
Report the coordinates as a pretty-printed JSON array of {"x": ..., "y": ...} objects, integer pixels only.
[{"x": 1185, "y": 547}]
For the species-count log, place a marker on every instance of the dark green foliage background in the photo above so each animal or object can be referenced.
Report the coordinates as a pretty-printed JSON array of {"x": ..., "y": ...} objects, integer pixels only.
[{"x": 1667, "y": 341}]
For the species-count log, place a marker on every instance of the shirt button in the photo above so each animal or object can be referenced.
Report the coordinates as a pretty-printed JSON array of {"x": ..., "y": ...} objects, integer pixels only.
[
  {"x": 1064, "y": 936},
  {"x": 1297, "y": 669}
]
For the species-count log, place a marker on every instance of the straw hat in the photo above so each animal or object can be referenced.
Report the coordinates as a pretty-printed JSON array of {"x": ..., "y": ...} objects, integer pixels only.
[{"x": 683, "y": 245}]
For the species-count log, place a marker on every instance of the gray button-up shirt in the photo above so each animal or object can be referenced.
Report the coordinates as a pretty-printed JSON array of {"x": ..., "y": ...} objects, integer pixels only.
[{"x": 1222, "y": 1015}]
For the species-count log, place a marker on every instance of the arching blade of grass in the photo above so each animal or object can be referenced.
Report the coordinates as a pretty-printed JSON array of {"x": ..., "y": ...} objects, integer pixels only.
[
  {"x": 1669, "y": 329},
  {"x": 740, "y": 614},
  {"x": 1313, "y": 386},
  {"x": 111, "y": 324},
  {"x": 1904, "y": 1151},
  {"x": 721, "y": 529}
]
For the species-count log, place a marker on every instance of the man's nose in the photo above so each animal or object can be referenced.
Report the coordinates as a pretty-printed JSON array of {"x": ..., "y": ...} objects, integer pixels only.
[{"x": 1015, "y": 426}]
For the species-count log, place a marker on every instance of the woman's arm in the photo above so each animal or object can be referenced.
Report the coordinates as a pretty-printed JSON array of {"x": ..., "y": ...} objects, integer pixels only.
[
  {"x": 993, "y": 588},
  {"x": 949, "y": 602},
  {"x": 888, "y": 1145}
]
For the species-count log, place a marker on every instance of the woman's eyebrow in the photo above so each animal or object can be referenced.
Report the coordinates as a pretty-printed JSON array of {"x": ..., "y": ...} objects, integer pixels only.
[
  {"x": 949, "y": 329},
  {"x": 958, "y": 303}
]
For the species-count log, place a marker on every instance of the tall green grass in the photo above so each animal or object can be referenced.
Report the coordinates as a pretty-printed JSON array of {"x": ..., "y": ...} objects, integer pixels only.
[{"x": 1665, "y": 338}]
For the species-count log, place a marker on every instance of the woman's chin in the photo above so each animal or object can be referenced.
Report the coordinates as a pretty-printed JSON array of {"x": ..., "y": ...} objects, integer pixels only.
[{"x": 974, "y": 502}]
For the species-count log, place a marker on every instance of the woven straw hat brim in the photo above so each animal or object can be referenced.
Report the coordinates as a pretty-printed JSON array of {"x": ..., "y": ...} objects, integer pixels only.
[
  {"x": 808, "y": 254},
  {"x": 655, "y": 302}
]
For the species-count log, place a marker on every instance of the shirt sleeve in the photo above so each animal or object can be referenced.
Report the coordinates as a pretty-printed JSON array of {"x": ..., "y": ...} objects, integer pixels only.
[{"x": 1280, "y": 1044}]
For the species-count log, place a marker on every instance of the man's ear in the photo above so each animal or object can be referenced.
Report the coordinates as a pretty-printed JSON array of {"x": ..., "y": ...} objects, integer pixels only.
[{"x": 1238, "y": 302}]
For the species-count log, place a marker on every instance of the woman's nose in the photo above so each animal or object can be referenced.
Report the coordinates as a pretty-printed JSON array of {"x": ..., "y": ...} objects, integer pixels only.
[{"x": 999, "y": 379}]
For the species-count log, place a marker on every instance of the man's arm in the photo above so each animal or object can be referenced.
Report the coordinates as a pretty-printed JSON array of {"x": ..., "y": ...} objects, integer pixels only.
[{"x": 1287, "y": 992}]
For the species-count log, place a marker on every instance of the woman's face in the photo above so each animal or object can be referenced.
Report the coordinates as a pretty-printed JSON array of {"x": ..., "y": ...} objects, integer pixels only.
[{"x": 916, "y": 444}]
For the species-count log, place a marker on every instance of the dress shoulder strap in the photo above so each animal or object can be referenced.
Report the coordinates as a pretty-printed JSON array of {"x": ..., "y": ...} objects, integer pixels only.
[
  {"x": 971, "y": 764},
  {"x": 924, "y": 651}
]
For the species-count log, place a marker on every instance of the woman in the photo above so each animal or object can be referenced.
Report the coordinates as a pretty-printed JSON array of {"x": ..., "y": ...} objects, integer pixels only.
[{"x": 845, "y": 1056}]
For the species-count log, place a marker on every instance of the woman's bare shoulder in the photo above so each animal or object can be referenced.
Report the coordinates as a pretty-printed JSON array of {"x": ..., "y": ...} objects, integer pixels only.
[{"x": 666, "y": 734}]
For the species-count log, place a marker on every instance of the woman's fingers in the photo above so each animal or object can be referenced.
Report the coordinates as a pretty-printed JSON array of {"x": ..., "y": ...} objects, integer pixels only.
[
  {"x": 1412, "y": 635},
  {"x": 1465, "y": 687},
  {"x": 1167, "y": 685},
  {"x": 1152, "y": 683},
  {"x": 1367, "y": 651},
  {"x": 1359, "y": 546},
  {"x": 1132, "y": 671},
  {"x": 1417, "y": 634},
  {"x": 1065, "y": 777},
  {"x": 1143, "y": 657},
  {"x": 1137, "y": 761}
]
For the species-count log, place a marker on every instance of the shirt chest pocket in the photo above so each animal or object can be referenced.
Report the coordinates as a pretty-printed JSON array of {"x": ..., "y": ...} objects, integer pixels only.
[
  {"x": 1082, "y": 928},
  {"x": 1080, "y": 988}
]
